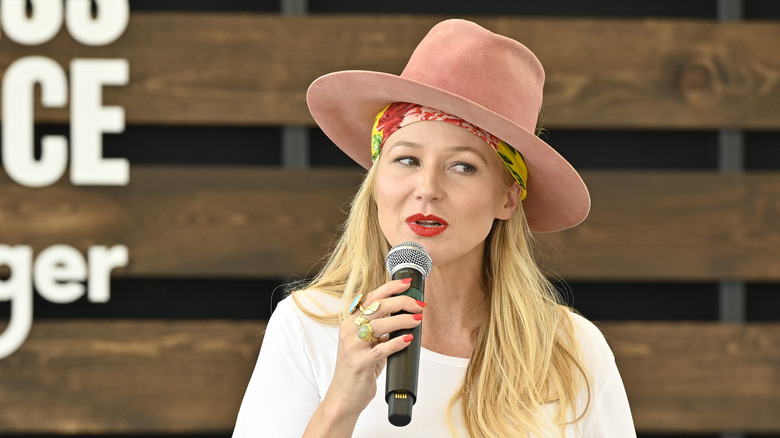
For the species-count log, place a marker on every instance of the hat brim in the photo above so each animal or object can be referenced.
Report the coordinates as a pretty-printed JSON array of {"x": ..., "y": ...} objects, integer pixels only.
[{"x": 344, "y": 104}]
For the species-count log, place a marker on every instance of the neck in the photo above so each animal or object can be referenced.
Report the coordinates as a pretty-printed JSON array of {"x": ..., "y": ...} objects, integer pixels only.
[{"x": 456, "y": 300}]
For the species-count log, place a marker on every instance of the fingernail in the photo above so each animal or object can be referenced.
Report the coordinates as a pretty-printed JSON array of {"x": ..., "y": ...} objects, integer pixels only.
[
  {"x": 421, "y": 304},
  {"x": 417, "y": 316},
  {"x": 408, "y": 338},
  {"x": 406, "y": 280}
]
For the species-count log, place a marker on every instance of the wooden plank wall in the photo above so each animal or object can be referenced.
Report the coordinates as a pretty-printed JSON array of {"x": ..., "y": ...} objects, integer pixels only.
[{"x": 111, "y": 376}]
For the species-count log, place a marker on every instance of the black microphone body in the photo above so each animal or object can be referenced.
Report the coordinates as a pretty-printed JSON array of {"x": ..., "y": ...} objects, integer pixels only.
[{"x": 403, "y": 366}]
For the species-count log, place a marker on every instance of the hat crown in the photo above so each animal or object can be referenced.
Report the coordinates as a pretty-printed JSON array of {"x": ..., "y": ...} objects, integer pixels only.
[{"x": 494, "y": 71}]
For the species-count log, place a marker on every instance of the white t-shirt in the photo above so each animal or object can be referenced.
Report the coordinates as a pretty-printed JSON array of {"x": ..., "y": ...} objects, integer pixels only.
[{"x": 296, "y": 365}]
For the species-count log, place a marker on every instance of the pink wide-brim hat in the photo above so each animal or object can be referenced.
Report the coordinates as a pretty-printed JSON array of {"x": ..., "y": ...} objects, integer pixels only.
[{"x": 487, "y": 79}]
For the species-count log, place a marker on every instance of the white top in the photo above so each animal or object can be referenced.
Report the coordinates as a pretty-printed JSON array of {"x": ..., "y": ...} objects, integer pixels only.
[{"x": 296, "y": 365}]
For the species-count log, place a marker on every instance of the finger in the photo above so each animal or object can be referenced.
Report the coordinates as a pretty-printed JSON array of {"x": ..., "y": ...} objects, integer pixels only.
[
  {"x": 383, "y": 350},
  {"x": 371, "y": 332},
  {"x": 383, "y": 326},
  {"x": 389, "y": 306},
  {"x": 393, "y": 287}
]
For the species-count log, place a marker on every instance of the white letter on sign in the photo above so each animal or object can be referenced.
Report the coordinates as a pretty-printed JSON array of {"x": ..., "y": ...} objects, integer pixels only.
[
  {"x": 18, "y": 121},
  {"x": 110, "y": 24},
  {"x": 18, "y": 289},
  {"x": 89, "y": 120},
  {"x": 59, "y": 273},
  {"x": 42, "y": 26},
  {"x": 101, "y": 261}
]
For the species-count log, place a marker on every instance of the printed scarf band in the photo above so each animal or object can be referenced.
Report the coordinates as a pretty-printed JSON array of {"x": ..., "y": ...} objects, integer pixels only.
[{"x": 399, "y": 114}]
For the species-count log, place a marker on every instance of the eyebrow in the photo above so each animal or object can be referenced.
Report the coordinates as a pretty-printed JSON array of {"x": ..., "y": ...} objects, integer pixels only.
[{"x": 405, "y": 143}]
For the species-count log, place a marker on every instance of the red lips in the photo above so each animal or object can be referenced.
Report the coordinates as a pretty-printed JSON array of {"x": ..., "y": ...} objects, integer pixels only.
[{"x": 426, "y": 225}]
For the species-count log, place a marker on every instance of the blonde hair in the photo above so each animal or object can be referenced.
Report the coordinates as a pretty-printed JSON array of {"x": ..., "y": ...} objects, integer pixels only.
[{"x": 525, "y": 353}]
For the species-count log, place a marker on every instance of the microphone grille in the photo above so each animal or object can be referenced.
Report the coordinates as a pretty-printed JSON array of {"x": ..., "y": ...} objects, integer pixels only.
[{"x": 409, "y": 255}]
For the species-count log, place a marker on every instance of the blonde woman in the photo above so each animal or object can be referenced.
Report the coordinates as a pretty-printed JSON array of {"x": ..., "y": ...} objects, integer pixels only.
[{"x": 454, "y": 165}]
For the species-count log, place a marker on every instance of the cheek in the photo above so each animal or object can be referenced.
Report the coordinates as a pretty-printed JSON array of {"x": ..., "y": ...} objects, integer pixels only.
[
  {"x": 484, "y": 206},
  {"x": 388, "y": 199},
  {"x": 392, "y": 186},
  {"x": 383, "y": 192},
  {"x": 503, "y": 194}
]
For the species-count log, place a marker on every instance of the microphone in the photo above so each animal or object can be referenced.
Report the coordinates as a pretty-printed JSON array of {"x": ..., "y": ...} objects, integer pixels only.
[{"x": 405, "y": 260}]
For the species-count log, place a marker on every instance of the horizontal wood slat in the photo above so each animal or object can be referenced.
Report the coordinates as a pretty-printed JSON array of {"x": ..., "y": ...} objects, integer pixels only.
[
  {"x": 700, "y": 377},
  {"x": 188, "y": 221},
  {"x": 253, "y": 69},
  {"x": 94, "y": 377},
  {"x": 674, "y": 226},
  {"x": 266, "y": 223},
  {"x": 97, "y": 376}
]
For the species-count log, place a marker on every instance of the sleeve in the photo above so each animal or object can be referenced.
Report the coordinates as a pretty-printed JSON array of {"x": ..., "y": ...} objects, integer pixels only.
[
  {"x": 608, "y": 414},
  {"x": 282, "y": 394}
]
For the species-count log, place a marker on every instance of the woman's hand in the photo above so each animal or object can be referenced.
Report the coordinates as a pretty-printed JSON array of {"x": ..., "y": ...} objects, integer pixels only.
[{"x": 359, "y": 362}]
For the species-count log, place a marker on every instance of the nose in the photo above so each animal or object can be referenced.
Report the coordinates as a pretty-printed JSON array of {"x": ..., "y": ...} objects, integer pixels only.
[{"x": 430, "y": 184}]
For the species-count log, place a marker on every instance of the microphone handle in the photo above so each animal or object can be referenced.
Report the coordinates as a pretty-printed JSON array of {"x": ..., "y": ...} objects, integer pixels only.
[{"x": 403, "y": 366}]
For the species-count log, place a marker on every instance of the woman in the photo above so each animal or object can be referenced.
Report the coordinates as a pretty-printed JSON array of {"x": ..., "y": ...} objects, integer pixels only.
[{"x": 501, "y": 357}]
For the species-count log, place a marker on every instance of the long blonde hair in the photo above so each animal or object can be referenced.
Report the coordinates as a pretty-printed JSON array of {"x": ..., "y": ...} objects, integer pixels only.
[{"x": 525, "y": 353}]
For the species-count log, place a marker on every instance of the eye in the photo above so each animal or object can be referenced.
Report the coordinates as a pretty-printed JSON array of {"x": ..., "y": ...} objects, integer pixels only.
[
  {"x": 463, "y": 167},
  {"x": 408, "y": 161}
]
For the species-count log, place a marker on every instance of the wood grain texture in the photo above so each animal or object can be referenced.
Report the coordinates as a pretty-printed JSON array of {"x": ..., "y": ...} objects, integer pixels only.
[
  {"x": 700, "y": 377},
  {"x": 93, "y": 377},
  {"x": 673, "y": 226},
  {"x": 267, "y": 223},
  {"x": 253, "y": 69},
  {"x": 190, "y": 221}
]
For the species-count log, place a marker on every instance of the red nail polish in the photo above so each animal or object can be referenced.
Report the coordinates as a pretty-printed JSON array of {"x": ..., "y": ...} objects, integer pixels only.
[
  {"x": 406, "y": 280},
  {"x": 420, "y": 303},
  {"x": 417, "y": 316},
  {"x": 408, "y": 338}
]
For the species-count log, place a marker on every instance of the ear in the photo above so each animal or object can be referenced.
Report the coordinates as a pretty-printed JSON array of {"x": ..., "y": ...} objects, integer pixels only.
[{"x": 513, "y": 193}]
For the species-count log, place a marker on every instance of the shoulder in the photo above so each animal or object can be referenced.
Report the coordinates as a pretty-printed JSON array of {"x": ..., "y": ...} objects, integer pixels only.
[
  {"x": 314, "y": 301},
  {"x": 595, "y": 353},
  {"x": 300, "y": 307},
  {"x": 608, "y": 413},
  {"x": 291, "y": 326}
]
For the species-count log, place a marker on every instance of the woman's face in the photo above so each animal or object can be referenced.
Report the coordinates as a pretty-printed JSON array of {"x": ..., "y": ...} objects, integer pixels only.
[{"x": 441, "y": 186}]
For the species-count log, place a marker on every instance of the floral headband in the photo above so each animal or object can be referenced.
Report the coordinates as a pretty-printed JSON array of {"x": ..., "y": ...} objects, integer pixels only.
[{"x": 400, "y": 114}]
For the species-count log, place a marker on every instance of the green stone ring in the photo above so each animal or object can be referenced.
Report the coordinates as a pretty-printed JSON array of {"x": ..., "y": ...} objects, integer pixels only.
[{"x": 366, "y": 332}]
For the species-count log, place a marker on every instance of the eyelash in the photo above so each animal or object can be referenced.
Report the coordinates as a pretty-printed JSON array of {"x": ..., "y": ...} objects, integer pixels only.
[
  {"x": 406, "y": 161},
  {"x": 468, "y": 168},
  {"x": 412, "y": 161}
]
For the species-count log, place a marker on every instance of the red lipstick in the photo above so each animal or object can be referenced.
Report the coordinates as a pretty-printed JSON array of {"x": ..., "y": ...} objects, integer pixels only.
[{"x": 426, "y": 225}]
